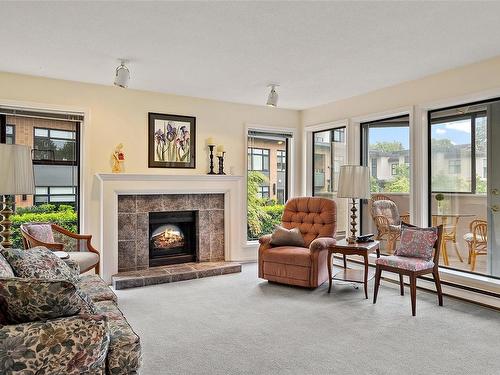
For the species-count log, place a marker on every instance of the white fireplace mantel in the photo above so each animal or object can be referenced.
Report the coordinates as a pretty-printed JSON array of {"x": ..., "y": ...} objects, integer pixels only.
[{"x": 111, "y": 185}]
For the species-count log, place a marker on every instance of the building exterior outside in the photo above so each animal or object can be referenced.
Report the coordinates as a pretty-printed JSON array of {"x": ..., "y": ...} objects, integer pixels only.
[
  {"x": 268, "y": 156},
  {"x": 54, "y": 145}
]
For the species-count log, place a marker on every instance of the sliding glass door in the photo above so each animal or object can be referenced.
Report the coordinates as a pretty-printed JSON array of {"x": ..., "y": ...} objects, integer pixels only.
[
  {"x": 329, "y": 153},
  {"x": 463, "y": 186}
]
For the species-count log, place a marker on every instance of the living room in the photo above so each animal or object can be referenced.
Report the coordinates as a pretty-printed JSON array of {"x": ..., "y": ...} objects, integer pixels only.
[{"x": 193, "y": 189}]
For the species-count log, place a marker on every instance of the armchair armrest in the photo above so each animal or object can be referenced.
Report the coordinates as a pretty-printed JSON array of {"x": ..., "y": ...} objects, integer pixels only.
[
  {"x": 265, "y": 240},
  {"x": 53, "y": 347},
  {"x": 322, "y": 243},
  {"x": 381, "y": 222}
]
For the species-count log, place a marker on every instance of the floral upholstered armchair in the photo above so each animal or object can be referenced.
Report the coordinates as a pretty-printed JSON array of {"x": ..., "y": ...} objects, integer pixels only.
[{"x": 56, "y": 238}]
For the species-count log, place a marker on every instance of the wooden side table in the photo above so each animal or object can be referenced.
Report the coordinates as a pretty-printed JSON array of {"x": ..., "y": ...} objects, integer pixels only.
[{"x": 351, "y": 275}]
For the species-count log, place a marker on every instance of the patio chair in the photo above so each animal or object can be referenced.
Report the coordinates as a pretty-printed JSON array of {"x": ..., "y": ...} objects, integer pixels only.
[
  {"x": 477, "y": 241},
  {"x": 56, "y": 238},
  {"x": 449, "y": 235},
  {"x": 387, "y": 219}
]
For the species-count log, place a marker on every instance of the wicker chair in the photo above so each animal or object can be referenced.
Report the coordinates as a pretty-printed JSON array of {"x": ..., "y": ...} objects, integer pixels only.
[
  {"x": 387, "y": 219},
  {"x": 56, "y": 238},
  {"x": 477, "y": 241}
]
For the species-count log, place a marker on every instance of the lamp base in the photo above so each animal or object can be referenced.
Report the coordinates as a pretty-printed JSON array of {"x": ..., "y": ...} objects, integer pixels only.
[
  {"x": 6, "y": 223},
  {"x": 352, "y": 238}
]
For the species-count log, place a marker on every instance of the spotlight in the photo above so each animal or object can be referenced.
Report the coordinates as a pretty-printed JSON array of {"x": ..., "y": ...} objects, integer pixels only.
[
  {"x": 122, "y": 76},
  {"x": 272, "y": 99}
]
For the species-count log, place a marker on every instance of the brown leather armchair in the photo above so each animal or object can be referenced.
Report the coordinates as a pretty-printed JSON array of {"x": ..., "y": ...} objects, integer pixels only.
[{"x": 303, "y": 266}]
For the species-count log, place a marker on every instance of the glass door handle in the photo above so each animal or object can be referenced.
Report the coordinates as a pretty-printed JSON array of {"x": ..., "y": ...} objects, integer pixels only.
[
  {"x": 495, "y": 192},
  {"x": 495, "y": 208}
]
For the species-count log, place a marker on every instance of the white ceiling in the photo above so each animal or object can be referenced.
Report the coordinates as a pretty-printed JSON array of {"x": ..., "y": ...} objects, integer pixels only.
[{"x": 318, "y": 51}]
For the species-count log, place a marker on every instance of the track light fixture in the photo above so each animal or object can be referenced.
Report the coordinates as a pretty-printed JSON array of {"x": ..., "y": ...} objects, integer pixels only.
[
  {"x": 272, "y": 99},
  {"x": 122, "y": 75}
]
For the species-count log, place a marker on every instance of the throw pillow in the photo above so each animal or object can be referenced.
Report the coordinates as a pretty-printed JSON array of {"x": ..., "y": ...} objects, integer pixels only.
[
  {"x": 5, "y": 268},
  {"x": 27, "y": 300},
  {"x": 287, "y": 237},
  {"x": 39, "y": 263},
  {"x": 417, "y": 242}
]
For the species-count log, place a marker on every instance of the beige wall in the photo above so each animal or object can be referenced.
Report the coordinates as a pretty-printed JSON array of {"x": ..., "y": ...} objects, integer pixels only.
[
  {"x": 445, "y": 85},
  {"x": 116, "y": 115}
]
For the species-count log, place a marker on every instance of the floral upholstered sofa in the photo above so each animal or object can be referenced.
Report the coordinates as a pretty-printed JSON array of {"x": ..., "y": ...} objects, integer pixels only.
[{"x": 55, "y": 321}]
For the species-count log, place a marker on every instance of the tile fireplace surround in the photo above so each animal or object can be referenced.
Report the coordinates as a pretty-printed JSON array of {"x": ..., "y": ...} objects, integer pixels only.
[
  {"x": 133, "y": 225},
  {"x": 225, "y": 207}
]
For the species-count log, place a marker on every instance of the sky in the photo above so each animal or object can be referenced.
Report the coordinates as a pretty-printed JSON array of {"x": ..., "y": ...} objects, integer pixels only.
[{"x": 459, "y": 132}]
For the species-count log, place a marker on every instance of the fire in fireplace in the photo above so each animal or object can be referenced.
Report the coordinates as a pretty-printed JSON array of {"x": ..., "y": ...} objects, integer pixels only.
[{"x": 172, "y": 237}]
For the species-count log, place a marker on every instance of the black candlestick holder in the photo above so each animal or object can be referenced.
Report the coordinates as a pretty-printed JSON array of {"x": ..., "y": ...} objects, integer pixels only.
[
  {"x": 211, "y": 147},
  {"x": 221, "y": 164}
]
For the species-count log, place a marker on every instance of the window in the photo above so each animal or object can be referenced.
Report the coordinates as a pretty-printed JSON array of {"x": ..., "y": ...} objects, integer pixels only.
[
  {"x": 373, "y": 166},
  {"x": 10, "y": 134},
  {"x": 485, "y": 168},
  {"x": 267, "y": 185},
  {"x": 53, "y": 144},
  {"x": 329, "y": 154},
  {"x": 394, "y": 169},
  {"x": 339, "y": 135},
  {"x": 454, "y": 166},
  {"x": 258, "y": 159},
  {"x": 263, "y": 191},
  {"x": 385, "y": 149},
  {"x": 281, "y": 156}
]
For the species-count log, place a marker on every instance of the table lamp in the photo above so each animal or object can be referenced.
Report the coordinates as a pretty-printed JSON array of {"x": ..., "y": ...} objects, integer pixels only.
[
  {"x": 354, "y": 183},
  {"x": 16, "y": 177}
]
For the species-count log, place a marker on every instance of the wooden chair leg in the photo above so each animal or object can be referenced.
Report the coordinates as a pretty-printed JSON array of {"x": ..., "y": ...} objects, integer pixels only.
[
  {"x": 473, "y": 259},
  {"x": 457, "y": 251},
  {"x": 345, "y": 261},
  {"x": 445, "y": 253},
  {"x": 401, "y": 285},
  {"x": 437, "y": 281},
  {"x": 96, "y": 269},
  {"x": 413, "y": 292},
  {"x": 378, "y": 273}
]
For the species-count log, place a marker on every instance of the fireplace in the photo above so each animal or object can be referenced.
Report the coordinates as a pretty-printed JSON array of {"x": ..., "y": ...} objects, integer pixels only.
[{"x": 173, "y": 237}]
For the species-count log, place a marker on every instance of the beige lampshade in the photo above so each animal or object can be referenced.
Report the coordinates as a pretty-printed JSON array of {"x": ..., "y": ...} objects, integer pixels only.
[
  {"x": 16, "y": 170},
  {"x": 354, "y": 182}
]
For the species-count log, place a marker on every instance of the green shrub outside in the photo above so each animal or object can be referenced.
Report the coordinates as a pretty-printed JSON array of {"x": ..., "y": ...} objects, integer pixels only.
[{"x": 63, "y": 215}]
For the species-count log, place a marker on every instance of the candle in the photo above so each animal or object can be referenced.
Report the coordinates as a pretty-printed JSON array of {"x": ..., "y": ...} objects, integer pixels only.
[
  {"x": 210, "y": 141},
  {"x": 220, "y": 148}
]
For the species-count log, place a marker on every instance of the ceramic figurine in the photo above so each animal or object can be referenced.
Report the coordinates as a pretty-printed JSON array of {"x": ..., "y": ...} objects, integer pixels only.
[{"x": 118, "y": 159}]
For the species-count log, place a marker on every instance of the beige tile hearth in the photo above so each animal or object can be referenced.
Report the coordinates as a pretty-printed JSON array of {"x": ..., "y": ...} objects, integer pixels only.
[{"x": 172, "y": 273}]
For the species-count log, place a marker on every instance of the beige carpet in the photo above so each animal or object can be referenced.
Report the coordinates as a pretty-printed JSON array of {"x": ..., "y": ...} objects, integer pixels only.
[{"x": 239, "y": 324}]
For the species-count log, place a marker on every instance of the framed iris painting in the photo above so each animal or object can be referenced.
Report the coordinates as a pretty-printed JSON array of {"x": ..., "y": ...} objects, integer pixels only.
[{"x": 172, "y": 141}]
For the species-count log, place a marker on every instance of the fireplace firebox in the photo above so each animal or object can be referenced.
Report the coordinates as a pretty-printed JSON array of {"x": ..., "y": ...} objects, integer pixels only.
[{"x": 173, "y": 237}]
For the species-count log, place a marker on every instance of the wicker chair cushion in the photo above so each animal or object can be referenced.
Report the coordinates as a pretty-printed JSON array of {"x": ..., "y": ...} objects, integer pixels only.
[{"x": 388, "y": 209}]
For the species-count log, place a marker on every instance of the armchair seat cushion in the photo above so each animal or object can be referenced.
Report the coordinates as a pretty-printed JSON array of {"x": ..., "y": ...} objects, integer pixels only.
[
  {"x": 124, "y": 355},
  {"x": 469, "y": 237},
  {"x": 406, "y": 263},
  {"x": 85, "y": 259},
  {"x": 96, "y": 288},
  {"x": 298, "y": 256}
]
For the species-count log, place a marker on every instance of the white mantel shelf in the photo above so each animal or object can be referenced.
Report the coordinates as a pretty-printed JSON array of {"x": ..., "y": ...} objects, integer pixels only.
[
  {"x": 163, "y": 177},
  {"x": 111, "y": 185}
]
